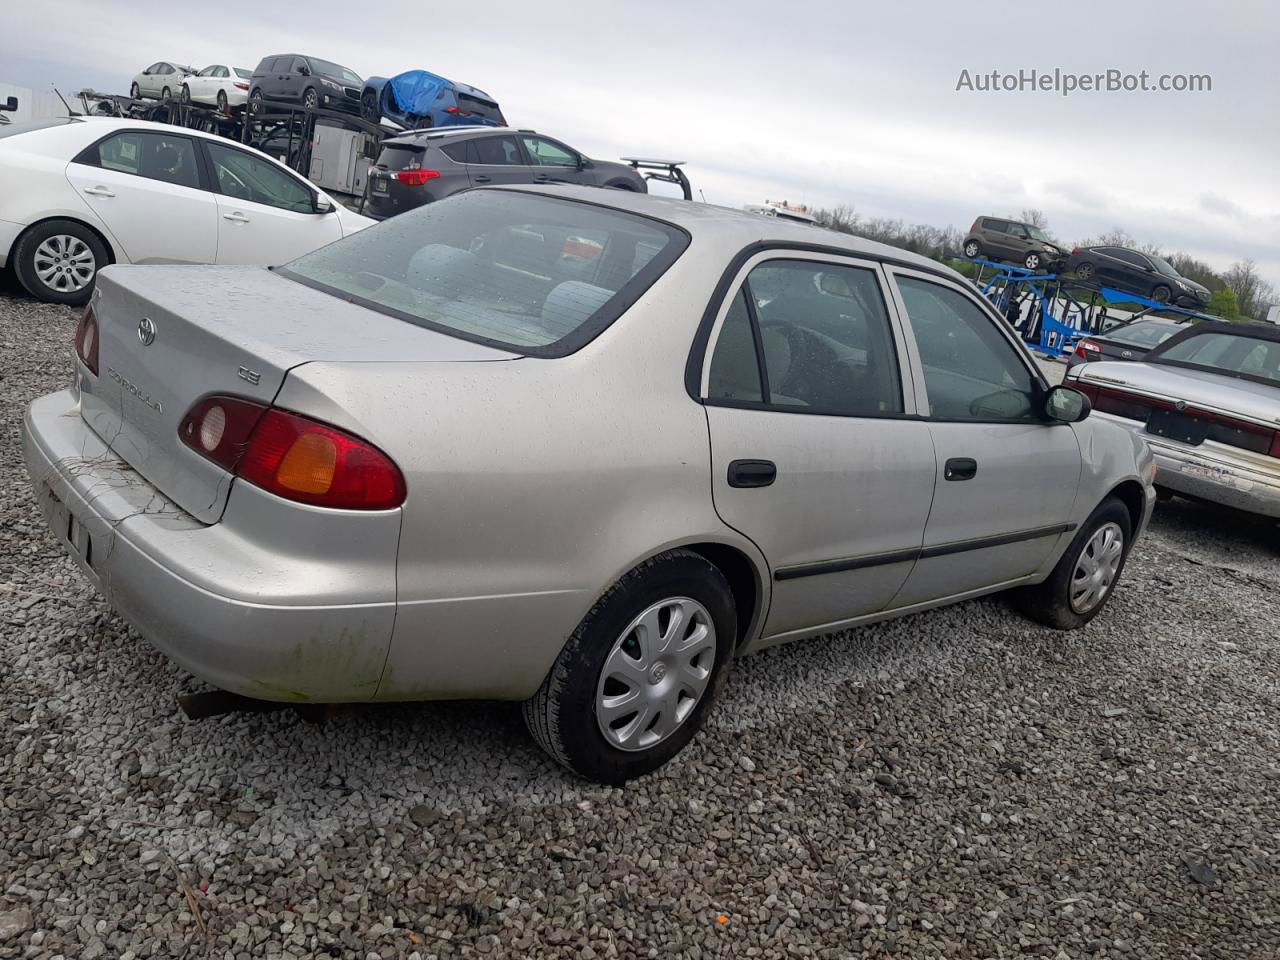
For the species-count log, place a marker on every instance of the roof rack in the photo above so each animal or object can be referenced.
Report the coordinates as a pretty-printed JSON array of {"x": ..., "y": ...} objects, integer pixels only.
[{"x": 665, "y": 171}]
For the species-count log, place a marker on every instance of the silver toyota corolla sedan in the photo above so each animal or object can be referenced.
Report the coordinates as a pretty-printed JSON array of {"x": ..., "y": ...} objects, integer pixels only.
[
  {"x": 1207, "y": 401},
  {"x": 570, "y": 447}
]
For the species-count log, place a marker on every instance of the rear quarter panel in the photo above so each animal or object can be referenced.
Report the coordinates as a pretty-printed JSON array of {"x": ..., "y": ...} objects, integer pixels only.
[{"x": 533, "y": 485}]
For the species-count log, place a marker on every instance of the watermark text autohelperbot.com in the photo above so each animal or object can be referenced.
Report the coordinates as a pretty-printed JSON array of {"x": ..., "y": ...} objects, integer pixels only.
[{"x": 1065, "y": 83}]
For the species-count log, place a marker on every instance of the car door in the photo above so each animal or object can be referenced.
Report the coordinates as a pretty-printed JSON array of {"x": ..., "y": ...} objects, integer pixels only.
[
  {"x": 998, "y": 239},
  {"x": 148, "y": 188},
  {"x": 266, "y": 215},
  {"x": 497, "y": 159},
  {"x": 1006, "y": 479},
  {"x": 1134, "y": 272},
  {"x": 552, "y": 161},
  {"x": 815, "y": 455}
]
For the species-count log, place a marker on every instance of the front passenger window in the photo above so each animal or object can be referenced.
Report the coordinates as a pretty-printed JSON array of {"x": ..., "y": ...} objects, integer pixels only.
[
  {"x": 247, "y": 177},
  {"x": 971, "y": 371}
]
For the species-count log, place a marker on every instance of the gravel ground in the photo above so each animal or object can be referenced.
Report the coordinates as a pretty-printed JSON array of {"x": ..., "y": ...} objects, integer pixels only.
[{"x": 956, "y": 784}]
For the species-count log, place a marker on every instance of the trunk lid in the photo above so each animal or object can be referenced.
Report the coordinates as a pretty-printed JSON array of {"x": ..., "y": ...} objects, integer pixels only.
[
  {"x": 1257, "y": 401},
  {"x": 225, "y": 330}
]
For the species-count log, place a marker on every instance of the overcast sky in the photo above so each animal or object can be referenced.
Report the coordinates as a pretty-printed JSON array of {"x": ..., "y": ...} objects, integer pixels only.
[{"x": 816, "y": 102}]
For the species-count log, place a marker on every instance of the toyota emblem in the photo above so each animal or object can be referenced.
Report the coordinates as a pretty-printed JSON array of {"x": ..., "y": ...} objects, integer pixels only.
[
  {"x": 1180, "y": 405},
  {"x": 1128, "y": 354},
  {"x": 146, "y": 331}
]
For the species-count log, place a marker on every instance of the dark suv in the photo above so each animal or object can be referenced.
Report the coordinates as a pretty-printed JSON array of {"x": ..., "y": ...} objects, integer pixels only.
[
  {"x": 426, "y": 165},
  {"x": 1012, "y": 241},
  {"x": 310, "y": 81},
  {"x": 1132, "y": 271}
]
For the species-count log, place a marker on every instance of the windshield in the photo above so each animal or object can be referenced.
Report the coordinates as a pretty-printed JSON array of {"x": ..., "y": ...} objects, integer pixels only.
[
  {"x": 538, "y": 275},
  {"x": 337, "y": 71},
  {"x": 1253, "y": 358},
  {"x": 1149, "y": 334},
  {"x": 1164, "y": 267},
  {"x": 1038, "y": 234}
]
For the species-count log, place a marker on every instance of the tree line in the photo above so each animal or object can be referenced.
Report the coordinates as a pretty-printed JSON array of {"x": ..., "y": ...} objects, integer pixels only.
[{"x": 1238, "y": 293}]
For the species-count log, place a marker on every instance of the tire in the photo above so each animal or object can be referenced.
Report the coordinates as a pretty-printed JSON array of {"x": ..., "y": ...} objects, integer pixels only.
[
  {"x": 369, "y": 106},
  {"x": 310, "y": 99},
  {"x": 972, "y": 249},
  {"x": 134, "y": 92},
  {"x": 186, "y": 94},
  {"x": 1161, "y": 294},
  {"x": 44, "y": 276},
  {"x": 255, "y": 100},
  {"x": 166, "y": 94},
  {"x": 1050, "y": 602},
  {"x": 1033, "y": 261},
  {"x": 1085, "y": 272},
  {"x": 222, "y": 101},
  {"x": 562, "y": 715}
]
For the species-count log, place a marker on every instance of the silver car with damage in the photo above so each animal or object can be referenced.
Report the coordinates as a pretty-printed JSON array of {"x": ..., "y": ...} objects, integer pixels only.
[
  {"x": 570, "y": 447},
  {"x": 1207, "y": 401}
]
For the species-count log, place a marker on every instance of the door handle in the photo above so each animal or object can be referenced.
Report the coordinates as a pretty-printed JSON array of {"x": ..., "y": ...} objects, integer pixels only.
[
  {"x": 542, "y": 178},
  {"x": 960, "y": 468},
  {"x": 98, "y": 192},
  {"x": 752, "y": 473},
  {"x": 481, "y": 178},
  {"x": 236, "y": 217}
]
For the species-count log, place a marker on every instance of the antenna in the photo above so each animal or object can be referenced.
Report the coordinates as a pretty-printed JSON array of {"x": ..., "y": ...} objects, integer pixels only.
[
  {"x": 702, "y": 195},
  {"x": 70, "y": 112}
]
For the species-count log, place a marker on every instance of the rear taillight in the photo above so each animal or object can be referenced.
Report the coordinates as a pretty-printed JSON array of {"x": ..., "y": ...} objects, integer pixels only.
[
  {"x": 241, "y": 86},
  {"x": 1086, "y": 347},
  {"x": 87, "y": 339},
  {"x": 1075, "y": 251},
  {"x": 1275, "y": 445},
  {"x": 293, "y": 456},
  {"x": 416, "y": 178},
  {"x": 453, "y": 110}
]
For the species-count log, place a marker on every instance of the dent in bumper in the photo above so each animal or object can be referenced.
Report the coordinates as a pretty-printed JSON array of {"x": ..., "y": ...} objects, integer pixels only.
[{"x": 213, "y": 598}]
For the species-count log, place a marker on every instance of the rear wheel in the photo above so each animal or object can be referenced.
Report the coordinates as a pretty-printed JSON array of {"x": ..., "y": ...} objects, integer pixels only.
[
  {"x": 222, "y": 101},
  {"x": 255, "y": 100},
  {"x": 634, "y": 681},
  {"x": 166, "y": 94},
  {"x": 58, "y": 261},
  {"x": 1161, "y": 293},
  {"x": 1086, "y": 575},
  {"x": 369, "y": 106},
  {"x": 186, "y": 94},
  {"x": 972, "y": 249}
]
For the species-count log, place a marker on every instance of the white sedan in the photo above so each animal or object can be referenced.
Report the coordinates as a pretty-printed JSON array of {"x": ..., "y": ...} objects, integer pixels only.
[
  {"x": 161, "y": 80},
  {"x": 217, "y": 84},
  {"x": 97, "y": 191}
]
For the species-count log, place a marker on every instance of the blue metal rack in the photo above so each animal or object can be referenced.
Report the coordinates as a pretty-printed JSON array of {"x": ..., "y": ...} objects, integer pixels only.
[{"x": 1057, "y": 320}]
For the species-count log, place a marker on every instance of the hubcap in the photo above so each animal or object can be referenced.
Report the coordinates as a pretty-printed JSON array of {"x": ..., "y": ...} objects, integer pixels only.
[
  {"x": 1033, "y": 262},
  {"x": 64, "y": 263},
  {"x": 656, "y": 673},
  {"x": 1096, "y": 570},
  {"x": 971, "y": 250}
]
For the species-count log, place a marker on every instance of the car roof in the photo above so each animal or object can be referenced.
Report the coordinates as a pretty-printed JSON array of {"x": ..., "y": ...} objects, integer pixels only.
[
  {"x": 441, "y": 133},
  {"x": 736, "y": 225}
]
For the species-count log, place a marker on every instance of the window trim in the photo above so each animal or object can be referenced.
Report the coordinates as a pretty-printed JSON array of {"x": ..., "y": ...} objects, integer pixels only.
[
  {"x": 1039, "y": 385},
  {"x": 576, "y": 165},
  {"x": 473, "y": 149},
  {"x": 734, "y": 282},
  {"x": 89, "y": 157}
]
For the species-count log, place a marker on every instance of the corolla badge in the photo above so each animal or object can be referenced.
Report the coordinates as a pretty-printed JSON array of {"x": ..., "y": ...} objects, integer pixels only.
[
  {"x": 146, "y": 331},
  {"x": 134, "y": 390}
]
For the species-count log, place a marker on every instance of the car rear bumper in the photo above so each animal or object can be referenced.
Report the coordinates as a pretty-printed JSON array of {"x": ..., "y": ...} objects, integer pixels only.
[
  {"x": 1213, "y": 471},
  {"x": 212, "y": 598}
]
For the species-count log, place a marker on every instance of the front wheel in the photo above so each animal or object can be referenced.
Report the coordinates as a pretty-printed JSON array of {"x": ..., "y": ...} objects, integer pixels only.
[
  {"x": 634, "y": 681},
  {"x": 1087, "y": 573},
  {"x": 1032, "y": 261},
  {"x": 1161, "y": 294},
  {"x": 310, "y": 99},
  {"x": 58, "y": 261},
  {"x": 369, "y": 106},
  {"x": 134, "y": 92},
  {"x": 1085, "y": 272}
]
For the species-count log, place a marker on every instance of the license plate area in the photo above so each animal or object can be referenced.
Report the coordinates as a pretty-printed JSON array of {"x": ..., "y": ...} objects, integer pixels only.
[
  {"x": 1177, "y": 426},
  {"x": 379, "y": 185},
  {"x": 75, "y": 535}
]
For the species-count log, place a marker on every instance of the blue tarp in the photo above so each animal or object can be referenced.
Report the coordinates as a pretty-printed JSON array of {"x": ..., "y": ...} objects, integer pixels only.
[{"x": 414, "y": 91}]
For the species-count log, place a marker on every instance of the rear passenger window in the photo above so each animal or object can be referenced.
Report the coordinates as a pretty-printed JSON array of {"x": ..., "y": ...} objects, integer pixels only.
[
  {"x": 495, "y": 151},
  {"x": 735, "y": 365},
  {"x": 155, "y": 156},
  {"x": 457, "y": 152},
  {"x": 971, "y": 372},
  {"x": 826, "y": 339}
]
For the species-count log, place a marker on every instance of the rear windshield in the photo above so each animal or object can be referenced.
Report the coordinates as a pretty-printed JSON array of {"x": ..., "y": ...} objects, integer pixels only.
[
  {"x": 1143, "y": 334},
  {"x": 30, "y": 126},
  {"x": 537, "y": 275},
  {"x": 243, "y": 74},
  {"x": 1250, "y": 357},
  {"x": 401, "y": 156},
  {"x": 475, "y": 107}
]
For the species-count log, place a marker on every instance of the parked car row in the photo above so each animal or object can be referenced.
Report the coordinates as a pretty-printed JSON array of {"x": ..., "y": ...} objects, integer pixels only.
[
  {"x": 1129, "y": 271},
  {"x": 414, "y": 100}
]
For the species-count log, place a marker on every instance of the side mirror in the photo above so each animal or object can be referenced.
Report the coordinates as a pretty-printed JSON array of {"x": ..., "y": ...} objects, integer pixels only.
[
  {"x": 304, "y": 70},
  {"x": 323, "y": 204},
  {"x": 10, "y": 104},
  {"x": 1066, "y": 405}
]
